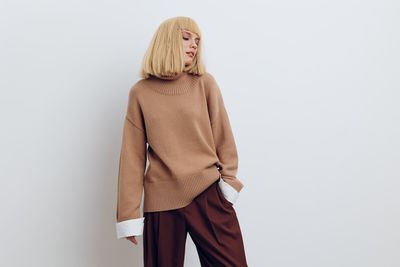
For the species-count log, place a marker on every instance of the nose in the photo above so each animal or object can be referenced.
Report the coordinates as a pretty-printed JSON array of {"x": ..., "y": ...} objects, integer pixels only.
[{"x": 194, "y": 44}]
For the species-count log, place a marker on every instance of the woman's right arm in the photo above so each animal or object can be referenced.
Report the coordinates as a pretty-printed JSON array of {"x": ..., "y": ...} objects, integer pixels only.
[{"x": 132, "y": 165}]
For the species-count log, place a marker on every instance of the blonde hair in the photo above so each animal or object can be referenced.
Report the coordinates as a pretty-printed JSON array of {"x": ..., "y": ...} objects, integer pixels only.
[{"x": 165, "y": 55}]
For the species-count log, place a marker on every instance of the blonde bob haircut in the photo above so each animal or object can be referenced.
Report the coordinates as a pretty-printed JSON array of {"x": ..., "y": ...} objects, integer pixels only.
[{"x": 165, "y": 55}]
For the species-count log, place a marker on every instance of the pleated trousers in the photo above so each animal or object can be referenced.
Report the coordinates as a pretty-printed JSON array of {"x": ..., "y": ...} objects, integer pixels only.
[{"x": 211, "y": 221}]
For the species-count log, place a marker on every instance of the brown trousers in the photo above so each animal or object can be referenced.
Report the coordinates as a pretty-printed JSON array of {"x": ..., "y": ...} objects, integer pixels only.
[{"x": 210, "y": 219}]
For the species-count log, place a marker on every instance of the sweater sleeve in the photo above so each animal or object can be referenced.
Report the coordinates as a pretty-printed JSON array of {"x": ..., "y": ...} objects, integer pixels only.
[
  {"x": 132, "y": 164},
  {"x": 224, "y": 142}
]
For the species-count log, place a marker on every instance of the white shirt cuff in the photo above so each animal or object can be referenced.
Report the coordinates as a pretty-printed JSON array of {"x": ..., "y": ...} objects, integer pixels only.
[{"x": 133, "y": 227}]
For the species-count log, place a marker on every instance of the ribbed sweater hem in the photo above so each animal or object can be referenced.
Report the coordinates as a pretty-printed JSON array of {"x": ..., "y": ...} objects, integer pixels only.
[{"x": 175, "y": 194}]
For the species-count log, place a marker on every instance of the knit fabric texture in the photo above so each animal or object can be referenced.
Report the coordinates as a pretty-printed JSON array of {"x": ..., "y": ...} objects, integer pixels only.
[{"x": 180, "y": 125}]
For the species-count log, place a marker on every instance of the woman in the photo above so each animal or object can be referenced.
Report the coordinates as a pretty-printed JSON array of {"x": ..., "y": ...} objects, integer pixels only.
[{"x": 190, "y": 185}]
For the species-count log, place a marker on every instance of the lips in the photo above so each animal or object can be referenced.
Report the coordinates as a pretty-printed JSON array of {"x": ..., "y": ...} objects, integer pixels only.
[{"x": 191, "y": 54}]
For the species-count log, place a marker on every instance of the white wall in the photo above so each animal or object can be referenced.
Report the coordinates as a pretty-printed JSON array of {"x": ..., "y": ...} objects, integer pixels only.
[{"x": 312, "y": 89}]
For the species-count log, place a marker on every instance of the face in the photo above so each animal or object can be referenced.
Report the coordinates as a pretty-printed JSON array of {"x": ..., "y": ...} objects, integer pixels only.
[{"x": 190, "y": 42}]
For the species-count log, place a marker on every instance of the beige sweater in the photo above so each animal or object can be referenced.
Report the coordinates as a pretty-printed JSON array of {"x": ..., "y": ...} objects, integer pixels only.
[{"x": 184, "y": 122}]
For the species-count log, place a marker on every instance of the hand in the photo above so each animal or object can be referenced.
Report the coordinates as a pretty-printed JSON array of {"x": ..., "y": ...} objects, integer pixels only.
[{"x": 132, "y": 239}]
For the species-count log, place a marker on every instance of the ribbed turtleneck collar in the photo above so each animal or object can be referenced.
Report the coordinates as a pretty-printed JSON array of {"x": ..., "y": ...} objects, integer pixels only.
[
  {"x": 173, "y": 85},
  {"x": 174, "y": 77}
]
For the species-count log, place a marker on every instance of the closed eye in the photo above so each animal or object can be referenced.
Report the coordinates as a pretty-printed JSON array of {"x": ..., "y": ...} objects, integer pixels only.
[{"x": 197, "y": 40}]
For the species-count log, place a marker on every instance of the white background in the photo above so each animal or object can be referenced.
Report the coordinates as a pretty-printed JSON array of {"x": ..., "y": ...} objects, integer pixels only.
[{"x": 312, "y": 90}]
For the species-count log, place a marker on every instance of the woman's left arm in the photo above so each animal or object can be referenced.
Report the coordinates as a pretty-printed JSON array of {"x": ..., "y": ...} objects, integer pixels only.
[{"x": 224, "y": 141}]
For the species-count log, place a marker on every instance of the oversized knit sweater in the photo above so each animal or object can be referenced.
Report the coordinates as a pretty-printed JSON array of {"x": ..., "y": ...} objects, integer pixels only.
[{"x": 180, "y": 124}]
